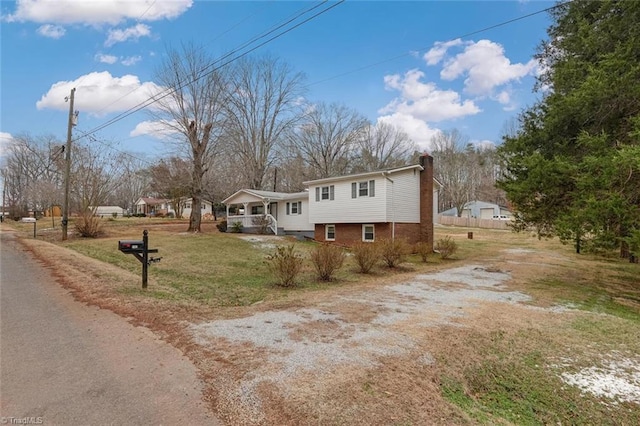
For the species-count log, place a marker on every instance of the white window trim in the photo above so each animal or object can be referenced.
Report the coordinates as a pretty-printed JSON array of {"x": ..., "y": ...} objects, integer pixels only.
[
  {"x": 363, "y": 232},
  {"x": 326, "y": 232}
]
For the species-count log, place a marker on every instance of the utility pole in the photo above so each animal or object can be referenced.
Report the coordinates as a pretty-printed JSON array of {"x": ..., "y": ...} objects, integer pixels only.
[{"x": 67, "y": 172}]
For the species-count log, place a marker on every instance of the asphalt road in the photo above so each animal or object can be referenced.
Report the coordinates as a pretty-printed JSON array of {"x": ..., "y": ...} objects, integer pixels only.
[{"x": 63, "y": 362}]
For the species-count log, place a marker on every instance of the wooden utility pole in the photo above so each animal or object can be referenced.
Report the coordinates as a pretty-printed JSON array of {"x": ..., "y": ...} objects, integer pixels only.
[{"x": 67, "y": 172}]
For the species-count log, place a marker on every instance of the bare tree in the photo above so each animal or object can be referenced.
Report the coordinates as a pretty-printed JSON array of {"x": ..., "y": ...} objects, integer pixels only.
[
  {"x": 134, "y": 181},
  {"x": 194, "y": 110},
  {"x": 263, "y": 105},
  {"x": 95, "y": 176},
  {"x": 327, "y": 138},
  {"x": 384, "y": 146},
  {"x": 31, "y": 172},
  {"x": 453, "y": 168},
  {"x": 171, "y": 179}
]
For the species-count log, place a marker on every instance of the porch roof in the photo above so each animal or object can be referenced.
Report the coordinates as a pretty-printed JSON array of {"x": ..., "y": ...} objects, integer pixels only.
[{"x": 248, "y": 195}]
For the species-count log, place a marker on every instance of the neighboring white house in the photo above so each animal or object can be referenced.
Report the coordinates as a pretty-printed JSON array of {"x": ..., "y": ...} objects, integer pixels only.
[
  {"x": 391, "y": 203},
  {"x": 480, "y": 210},
  {"x": 108, "y": 211},
  {"x": 205, "y": 205}
]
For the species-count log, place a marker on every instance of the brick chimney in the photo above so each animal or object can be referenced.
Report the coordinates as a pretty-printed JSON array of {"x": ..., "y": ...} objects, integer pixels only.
[{"x": 426, "y": 199}]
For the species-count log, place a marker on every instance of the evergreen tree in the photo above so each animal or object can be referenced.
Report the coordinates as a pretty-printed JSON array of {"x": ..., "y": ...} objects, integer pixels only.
[{"x": 573, "y": 166}]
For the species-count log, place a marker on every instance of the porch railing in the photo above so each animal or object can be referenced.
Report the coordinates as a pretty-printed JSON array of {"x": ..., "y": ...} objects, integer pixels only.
[{"x": 253, "y": 220}]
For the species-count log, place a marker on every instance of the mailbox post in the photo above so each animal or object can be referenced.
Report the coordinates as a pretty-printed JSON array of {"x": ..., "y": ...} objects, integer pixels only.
[{"x": 141, "y": 250}]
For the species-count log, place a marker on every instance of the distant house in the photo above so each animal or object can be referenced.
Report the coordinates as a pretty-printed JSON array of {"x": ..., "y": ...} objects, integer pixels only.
[
  {"x": 153, "y": 206},
  {"x": 391, "y": 203},
  {"x": 206, "y": 207},
  {"x": 479, "y": 210},
  {"x": 108, "y": 211}
]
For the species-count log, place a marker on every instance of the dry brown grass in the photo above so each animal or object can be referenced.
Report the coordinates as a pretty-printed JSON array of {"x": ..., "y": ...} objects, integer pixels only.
[{"x": 400, "y": 390}]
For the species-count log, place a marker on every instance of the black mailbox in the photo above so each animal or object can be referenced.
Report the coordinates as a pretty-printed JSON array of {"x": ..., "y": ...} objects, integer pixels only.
[{"x": 131, "y": 246}]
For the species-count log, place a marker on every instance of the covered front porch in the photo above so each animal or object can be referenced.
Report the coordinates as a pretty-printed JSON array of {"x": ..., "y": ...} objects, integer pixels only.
[{"x": 252, "y": 211}]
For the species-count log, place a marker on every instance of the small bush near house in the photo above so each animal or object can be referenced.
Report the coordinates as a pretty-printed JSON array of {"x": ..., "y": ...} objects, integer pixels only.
[
  {"x": 327, "y": 259},
  {"x": 446, "y": 247},
  {"x": 366, "y": 256},
  {"x": 261, "y": 222},
  {"x": 393, "y": 252},
  {"x": 222, "y": 226},
  {"x": 424, "y": 250},
  {"x": 114, "y": 215},
  {"x": 285, "y": 264},
  {"x": 88, "y": 225},
  {"x": 236, "y": 227}
]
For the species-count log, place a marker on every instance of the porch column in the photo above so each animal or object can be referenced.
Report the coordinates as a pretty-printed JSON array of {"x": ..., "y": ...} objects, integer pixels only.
[
  {"x": 265, "y": 205},
  {"x": 246, "y": 208},
  {"x": 227, "y": 206}
]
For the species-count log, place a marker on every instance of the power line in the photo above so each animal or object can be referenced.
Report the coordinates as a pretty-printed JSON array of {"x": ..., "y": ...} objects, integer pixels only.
[
  {"x": 384, "y": 61},
  {"x": 170, "y": 91}
]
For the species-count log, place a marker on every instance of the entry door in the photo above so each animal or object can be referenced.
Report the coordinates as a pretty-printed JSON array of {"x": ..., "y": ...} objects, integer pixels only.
[{"x": 273, "y": 210}]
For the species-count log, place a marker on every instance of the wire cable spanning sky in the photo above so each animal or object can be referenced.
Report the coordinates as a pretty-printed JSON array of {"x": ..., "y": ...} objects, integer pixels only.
[{"x": 360, "y": 54}]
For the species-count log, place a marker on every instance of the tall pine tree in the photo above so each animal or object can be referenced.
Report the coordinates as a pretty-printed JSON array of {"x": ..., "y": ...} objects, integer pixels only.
[{"x": 573, "y": 167}]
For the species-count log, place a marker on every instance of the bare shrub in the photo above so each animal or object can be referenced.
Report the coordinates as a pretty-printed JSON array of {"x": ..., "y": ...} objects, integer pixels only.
[
  {"x": 285, "y": 264},
  {"x": 366, "y": 256},
  {"x": 424, "y": 250},
  {"x": 393, "y": 251},
  {"x": 446, "y": 247},
  {"x": 327, "y": 259},
  {"x": 261, "y": 222},
  {"x": 88, "y": 225}
]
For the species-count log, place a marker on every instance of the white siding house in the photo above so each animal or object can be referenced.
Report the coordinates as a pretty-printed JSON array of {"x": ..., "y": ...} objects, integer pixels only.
[{"x": 391, "y": 203}]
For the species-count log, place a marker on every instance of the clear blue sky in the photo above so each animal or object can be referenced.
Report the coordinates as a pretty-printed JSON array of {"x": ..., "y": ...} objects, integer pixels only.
[{"x": 441, "y": 77}]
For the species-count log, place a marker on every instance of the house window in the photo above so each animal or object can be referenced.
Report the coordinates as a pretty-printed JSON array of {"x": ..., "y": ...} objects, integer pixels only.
[
  {"x": 294, "y": 208},
  {"x": 325, "y": 193},
  {"x": 257, "y": 209},
  {"x": 363, "y": 189},
  {"x": 330, "y": 232},
  {"x": 368, "y": 233},
  {"x": 188, "y": 205}
]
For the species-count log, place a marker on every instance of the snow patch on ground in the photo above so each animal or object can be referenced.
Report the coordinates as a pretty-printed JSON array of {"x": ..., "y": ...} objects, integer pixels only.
[{"x": 616, "y": 379}]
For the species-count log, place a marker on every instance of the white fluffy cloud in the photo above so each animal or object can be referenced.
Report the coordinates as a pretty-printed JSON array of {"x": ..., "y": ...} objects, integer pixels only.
[
  {"x": 96, "y": 12},
  {"x": 438, "y": 51},
  {"x": 131, "y": 33},
  {"x": 162, "y": 130},
  {"x": 99, "y": 93},
  {"x": 131, "y": 60},
  {"x": 418, "y": 130},
  {"x": 5, "y": 141},
  {"x": 483, "y": 63},
  {"x": 51, "y": 31},
  {"x": 106, "y": 59},
  {"x": 424, "y": 100}
]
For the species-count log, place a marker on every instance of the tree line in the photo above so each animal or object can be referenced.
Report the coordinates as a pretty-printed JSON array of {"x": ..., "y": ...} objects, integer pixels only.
[{"x": 246, "y": 125}]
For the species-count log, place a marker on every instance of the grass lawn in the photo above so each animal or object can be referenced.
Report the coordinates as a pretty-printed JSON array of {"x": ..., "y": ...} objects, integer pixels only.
[{"x": 502, "y": 365}]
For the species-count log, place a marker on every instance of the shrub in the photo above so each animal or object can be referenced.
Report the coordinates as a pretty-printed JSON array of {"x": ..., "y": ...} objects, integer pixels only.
[
  {"x": 114, "y": 215},
  {"x": 424, "y": 250},
  {"x": 327, "y": 259},
  {"x": 88, "y": 225},
  {"x": 261, "y": 222},
  {"x": 393, "y": 252},
  {"x": 222, "y": 226},
  {"x": 285, "y": 264},
  {"x": 446, "y": 247},
  {"x": 236, "y": 227},
  {"x": 366, "y": 256}
]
